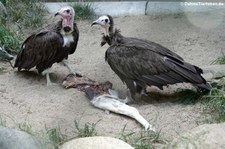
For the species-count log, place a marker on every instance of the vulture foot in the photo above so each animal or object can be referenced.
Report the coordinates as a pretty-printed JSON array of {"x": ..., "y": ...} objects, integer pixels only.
[
  {"x": 126, "y": 100},
  {"x": 66, "y": 64},
  {"x": 114, "y": 93},
  {"x": 46, "y": 73},
  {"x": 51, "y": 83}
]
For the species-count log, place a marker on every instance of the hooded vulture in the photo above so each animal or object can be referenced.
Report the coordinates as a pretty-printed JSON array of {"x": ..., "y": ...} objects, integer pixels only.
[
  {"x": 140, "y": 63},
  {"x": 53, "y": 45}
]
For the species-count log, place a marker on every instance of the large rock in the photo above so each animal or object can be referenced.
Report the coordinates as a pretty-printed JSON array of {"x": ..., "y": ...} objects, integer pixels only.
[
  {"x": 208, "y": 136},
  {"x": 15, "y": 139},
  {"x": 96, "y": 143}
]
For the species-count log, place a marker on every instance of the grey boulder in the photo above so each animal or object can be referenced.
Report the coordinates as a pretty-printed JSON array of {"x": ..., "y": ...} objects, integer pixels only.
[
  {"x": 15, "y": 139},
  {"x": 97, "y": 142}
]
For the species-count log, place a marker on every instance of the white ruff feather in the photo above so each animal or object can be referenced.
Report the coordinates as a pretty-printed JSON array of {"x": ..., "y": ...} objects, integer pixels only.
[{"x": 67, "y": 38}]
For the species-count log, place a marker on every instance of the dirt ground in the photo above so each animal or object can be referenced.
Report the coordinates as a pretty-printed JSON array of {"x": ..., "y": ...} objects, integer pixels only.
[{"x": 199, "y": 38}]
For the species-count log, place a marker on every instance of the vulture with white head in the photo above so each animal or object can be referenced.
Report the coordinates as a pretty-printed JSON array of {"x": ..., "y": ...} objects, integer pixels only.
[
  {"x": 140, "y": 63},
  {"x": 53, "y": 45}
]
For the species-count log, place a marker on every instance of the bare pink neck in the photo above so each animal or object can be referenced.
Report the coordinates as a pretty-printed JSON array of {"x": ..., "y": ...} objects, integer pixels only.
[{"x": 67, "y": 22}]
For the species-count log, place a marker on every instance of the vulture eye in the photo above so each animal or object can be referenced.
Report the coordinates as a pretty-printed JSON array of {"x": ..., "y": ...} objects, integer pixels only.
[{"x": 106, "y": 20}]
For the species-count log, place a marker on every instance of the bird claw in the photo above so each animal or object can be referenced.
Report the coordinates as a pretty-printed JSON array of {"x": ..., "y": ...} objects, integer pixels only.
[
  {"x": 126, "y": 100},
  {"x": 51, "y": 84}
]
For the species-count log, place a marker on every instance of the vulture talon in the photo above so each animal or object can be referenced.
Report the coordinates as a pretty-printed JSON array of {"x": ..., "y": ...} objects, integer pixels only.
[{"x": 51, "y": 84}]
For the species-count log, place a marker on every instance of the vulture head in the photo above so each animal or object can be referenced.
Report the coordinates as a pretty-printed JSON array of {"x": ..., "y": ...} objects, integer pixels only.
[
  {"x": 67, "y": 13},
  {"x": 106, "y": 23}
]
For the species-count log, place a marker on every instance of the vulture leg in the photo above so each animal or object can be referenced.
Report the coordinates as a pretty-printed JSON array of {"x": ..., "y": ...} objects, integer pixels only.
[
  {"x": 65, "y": 63},
  {"x": 144, "y": 92},
  {"x": 136, "y": 96},
  {"x": 49, "y": 82},
  {"x": 114, "y": 94},
  {"x": 129, "y": 99},
  {"x": 139, "y": 92},
  {"x": 136, "y": 90}
]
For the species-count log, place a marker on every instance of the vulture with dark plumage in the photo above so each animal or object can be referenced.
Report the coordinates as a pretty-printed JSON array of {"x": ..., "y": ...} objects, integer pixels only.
[
  {"x": 49, "y": 46},
  {"x": 141, "y": 63}
]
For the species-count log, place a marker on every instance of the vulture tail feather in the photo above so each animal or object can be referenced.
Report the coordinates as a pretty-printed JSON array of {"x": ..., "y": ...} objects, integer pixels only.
[
  {"x": 185, "y": 71},
  {"x": 190, "y": 72},
  {"x": 163, "y": 79},
  {"x": 205, "y": 86}
]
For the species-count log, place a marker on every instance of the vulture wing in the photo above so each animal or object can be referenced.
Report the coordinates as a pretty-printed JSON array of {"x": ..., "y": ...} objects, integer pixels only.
[
  {"x": 76, "y": 38},
  {"x": 39, "y": 50},
  {"x": 149, "y": 63}
]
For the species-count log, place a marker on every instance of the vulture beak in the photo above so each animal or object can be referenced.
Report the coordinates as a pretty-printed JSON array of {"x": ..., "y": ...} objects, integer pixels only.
[
  {"x": 96, "y": 22},
  {"x": 57, "y": 13},
  {"x": 60, "y": 12}
]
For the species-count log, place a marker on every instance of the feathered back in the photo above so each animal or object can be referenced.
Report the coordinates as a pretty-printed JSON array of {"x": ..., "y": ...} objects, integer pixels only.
[{"x": 148, "y": 63}]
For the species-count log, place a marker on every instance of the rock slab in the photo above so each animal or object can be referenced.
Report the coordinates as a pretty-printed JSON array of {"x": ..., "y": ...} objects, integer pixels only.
[
  {"x": 15, "y": 139},
  {"x": 97, "y": 142}
]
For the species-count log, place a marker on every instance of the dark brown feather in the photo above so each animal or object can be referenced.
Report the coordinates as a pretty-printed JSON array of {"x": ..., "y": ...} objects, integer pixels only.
[
  {"x": 139, "y": 63},
  {"x": 43, "y": 49}
]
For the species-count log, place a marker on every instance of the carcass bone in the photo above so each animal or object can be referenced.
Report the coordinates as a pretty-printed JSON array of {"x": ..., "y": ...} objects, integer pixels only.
[
  {"x": 102, "y": 96},
  {"x": 111, "y": 102}
]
